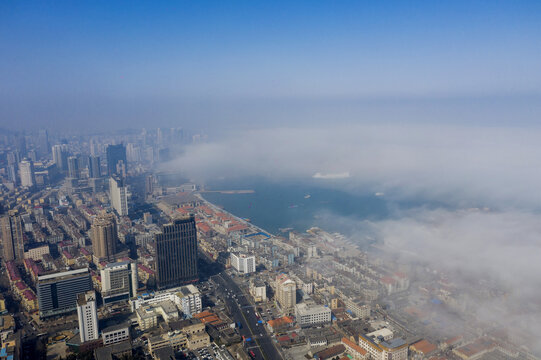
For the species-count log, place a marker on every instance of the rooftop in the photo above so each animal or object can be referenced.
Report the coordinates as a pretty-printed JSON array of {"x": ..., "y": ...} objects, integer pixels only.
[
  {"x": 354, "y": 346},
  {"x": 305, "y": 309},
  {"x": 424, "y": 347},
  {"x": 64, "y": 274},
  {"x": 330, "y": 352},
  {"x": 116, "y": 327},
  {"x": 280, "y": 322}
]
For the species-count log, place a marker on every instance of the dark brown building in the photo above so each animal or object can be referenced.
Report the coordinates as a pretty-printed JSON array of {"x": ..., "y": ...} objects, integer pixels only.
[{"x": 176, "y": 253}]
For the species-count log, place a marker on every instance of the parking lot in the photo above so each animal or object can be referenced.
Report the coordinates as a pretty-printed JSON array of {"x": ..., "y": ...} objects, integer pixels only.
[{"x": 212, "y": 352}]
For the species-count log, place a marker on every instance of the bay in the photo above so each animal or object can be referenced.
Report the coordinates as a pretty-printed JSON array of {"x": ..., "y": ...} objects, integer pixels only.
[{"x": 299, "y": 205}]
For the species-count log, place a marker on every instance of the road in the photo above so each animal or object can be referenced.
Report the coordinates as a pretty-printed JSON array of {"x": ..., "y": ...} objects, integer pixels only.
[{"x": 244, "y": 312}]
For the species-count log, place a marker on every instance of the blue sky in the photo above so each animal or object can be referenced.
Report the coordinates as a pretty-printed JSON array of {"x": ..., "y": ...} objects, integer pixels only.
[{"x": 248, "y": 61}]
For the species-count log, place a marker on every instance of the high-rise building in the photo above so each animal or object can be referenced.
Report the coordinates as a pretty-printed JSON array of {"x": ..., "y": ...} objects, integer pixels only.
[
  {"x": 33, "y": 155},
  {"x": 26, "y": 167},
  {"x": 164, "y": 155},
  {"x": 12, "y": 237},
  {"x": 243, "y": 263},
  {"x": 57, "y": 156},
  {"x": 176, "y": 253},
  {"x": 290, "y": 259},
  {"x": 104, "y": 236},
  {"x": 57, "y": 293},
  {"x": 118, "y": 193},
  {"x": 133, "y": 152},
  {"x": 149, "y": 184},
  {"x": 21, "y": 145},
  {"x": 286, "y": 292},
  {"x": 12, "y": 173},
  {"x": 93, "y": 147},
  {"x": 60, "y": 157},
  {"x": 13, "y": 158},
  {"x": 161, "y": 136},
  {"x": 177, "y": 135},
  {"x": 87, "y": 313},
  {"x": 115, "y": 154},
  {"x": 73, "y": 167},
  {"x": 94, "y": 167},
  {"x": 43, "y": 142},
  {"x": 118, "y": 281}
]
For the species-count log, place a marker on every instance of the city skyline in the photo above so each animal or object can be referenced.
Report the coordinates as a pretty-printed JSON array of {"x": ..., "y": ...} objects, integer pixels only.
[{"x": 270, "y": 180}]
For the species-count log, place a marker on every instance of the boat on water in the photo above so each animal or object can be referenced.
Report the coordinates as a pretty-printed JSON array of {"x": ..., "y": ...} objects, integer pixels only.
[
  {"x": 307, "y": 196},
  {"x": 293, "y": 206}
]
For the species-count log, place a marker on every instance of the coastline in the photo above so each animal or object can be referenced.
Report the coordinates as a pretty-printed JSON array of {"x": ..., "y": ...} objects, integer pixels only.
[{"x": 241, "y": 220}]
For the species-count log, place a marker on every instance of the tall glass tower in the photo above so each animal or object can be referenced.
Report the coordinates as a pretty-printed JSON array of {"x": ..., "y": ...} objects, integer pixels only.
[{"x": 176, "y": 253}]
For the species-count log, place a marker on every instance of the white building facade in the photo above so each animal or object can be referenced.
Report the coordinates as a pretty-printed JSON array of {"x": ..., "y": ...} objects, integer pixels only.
[
  {"x": 118, "y": 192},
  {"x": 87, "y": 314},
  {"x": 244, "y": 264},
  {"x": 115, "y": 334},
  {"x": 118, "y": 281},
  {"x": 26, "y": 168},
  {"x": 310, "y": 315},
  {"x": 396, "y": 349},
  {"x": 186, "y": 298}
]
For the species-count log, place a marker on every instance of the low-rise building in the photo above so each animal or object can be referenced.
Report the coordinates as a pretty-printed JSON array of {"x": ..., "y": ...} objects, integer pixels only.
[
  {"x": 423, "y": 348},
  {"x": 177, "y": 340},
  {"x": 397, "y": 349},
  {"x": 147, "y": 317},
  {"x": 7, "y": 326},
  {"x": 36, "y": 253},
  {"x": 3, "y": 308},
  {"x": 185, "y": 334},
  {"x": 195, "y": 330},
  {"x": 310, "y": 315},
  {"x": 186, "y": 298},
  {"x": 357, "y": 307},
  {"x": 116, "y": 334},
  {"x": 356, "y": 352},
  {"x": 330, "y": 353},
  {"x": 383, "y": 334},
  {"x": 280, "y": 324},
  {"x": 258, "y": 290},
  {"x": 475, "y": 349}
]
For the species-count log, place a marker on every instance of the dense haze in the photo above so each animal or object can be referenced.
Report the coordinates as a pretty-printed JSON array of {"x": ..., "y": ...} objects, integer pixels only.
[{"x": 480, "y": 186}]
